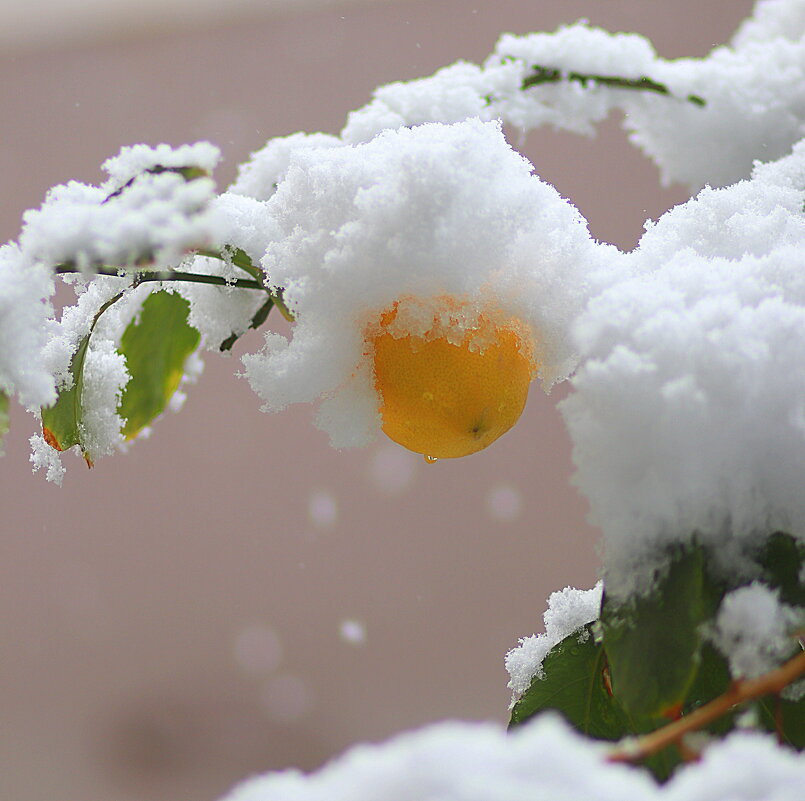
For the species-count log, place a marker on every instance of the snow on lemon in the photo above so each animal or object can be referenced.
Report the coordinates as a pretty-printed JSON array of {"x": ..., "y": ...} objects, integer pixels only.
[
  {"x": 453, "y": 389},
  {"x": 429, "y": 212}
]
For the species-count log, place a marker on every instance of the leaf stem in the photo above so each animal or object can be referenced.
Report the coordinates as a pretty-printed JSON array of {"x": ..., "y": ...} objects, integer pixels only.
[
  {"x": 740, "y": 692},
  {"x": 240, "y": 259},
  {"x": 549, "y": 75}
]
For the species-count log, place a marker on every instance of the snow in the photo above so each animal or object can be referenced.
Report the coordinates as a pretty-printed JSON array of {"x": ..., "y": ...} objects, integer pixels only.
[
  {"x": 105, "y": 375},
  {"x": 452, "y": 94},
  {"x": 266, "y": 168},
  {"x": 431, "y": 211},
  {"x": 542, "y": 761},
  {"x": 772, "y": 19},
  {"x": 754, "y": 630},
  {"x": 43, "y": 457},
  {"x": 569, "y": 610},
  {"x": 25, "y": 290},
  {"x": 137, "y": 159},
  {"x": 687, "y": 414},
  {"x": 753, "y": 92},
  {"x": 688, "y": 405},
  {"x": 218, "y": 312},
  {"x": 154, "y": 220}
]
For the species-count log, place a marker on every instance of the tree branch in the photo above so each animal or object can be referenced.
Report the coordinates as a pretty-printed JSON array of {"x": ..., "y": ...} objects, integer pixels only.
[
  {"x": 548, "y": 75},
  {"x": 740, "y": 692},
  {"x": 142, "y": 277}
]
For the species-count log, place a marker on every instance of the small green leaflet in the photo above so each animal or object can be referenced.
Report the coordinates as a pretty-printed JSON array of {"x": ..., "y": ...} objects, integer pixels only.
[
  {"x": 61, "y": 423},
  {"x": 575, "y": 683},
  {"x": 3, "y": 417},
  {"x": 156, "y": 346}
]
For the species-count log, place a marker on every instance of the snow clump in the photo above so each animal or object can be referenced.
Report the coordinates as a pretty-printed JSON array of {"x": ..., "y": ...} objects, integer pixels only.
[
  {"x": 25, "y": 290},
  {"x": 146, "y": 213},
  {"x": 432, "y": 211},
  {"x": 542, "y": 761},
  {"x": 569, "y": 611},
  {"x": 688, "y": 414},
  {"x": 702, "y": 121},
  {"x": 754, "y": 631}
]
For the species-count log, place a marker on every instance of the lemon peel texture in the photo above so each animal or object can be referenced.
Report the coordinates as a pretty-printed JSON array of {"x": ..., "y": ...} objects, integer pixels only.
[{"x": 451, "y": 380}]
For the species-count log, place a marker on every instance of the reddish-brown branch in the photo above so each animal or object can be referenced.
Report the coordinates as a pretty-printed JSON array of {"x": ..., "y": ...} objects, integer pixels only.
[{"x": 740, "y": 692}]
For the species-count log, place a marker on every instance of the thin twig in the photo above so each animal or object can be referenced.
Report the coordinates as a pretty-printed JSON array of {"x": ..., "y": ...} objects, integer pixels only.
[
  {"x": 740, "y": 692},
  {"x": 167, "y": 275},
  {"x": 548, "y": 75}
]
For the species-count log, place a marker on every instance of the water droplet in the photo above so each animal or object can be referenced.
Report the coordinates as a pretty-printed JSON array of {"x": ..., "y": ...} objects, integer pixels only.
[{"x": 431, "y": 459}]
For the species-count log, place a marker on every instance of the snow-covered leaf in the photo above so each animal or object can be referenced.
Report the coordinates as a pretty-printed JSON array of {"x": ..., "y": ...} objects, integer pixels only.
[
  {"x": 574, "y": 682},
  {"x": 61, "y": 423}
]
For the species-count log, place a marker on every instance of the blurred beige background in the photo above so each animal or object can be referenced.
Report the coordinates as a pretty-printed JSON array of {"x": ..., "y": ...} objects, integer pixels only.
[{"x": 234, "y": 596}]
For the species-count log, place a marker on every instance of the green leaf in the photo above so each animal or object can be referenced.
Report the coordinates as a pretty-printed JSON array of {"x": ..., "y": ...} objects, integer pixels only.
[
  {"x": 156, "y": 347},
  {"x": 785, "y": 718},
  {"x": 3, "y": 417},
  {"x": 712, "y": 680},
  {"x": 653, "y": 643},
  {"x": 575, "y": 683},
  {"x": 782, "y": 559},
  {"x": 792, "y": 715},
  {"x": 61, "y": 423}
]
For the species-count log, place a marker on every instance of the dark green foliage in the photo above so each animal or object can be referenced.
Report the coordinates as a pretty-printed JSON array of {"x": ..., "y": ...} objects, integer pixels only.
[
  {"x": 652, "y": 661},
  {"x": 576, "y": 682},
  {"x": 653, "y": 643}
]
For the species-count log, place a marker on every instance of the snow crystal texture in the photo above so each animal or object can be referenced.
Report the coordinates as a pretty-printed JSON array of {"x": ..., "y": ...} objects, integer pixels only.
[
  {"x": 424, "y": 212},
  {"x": 687, "y": 414},
  {"x": 543, "y": 761}
]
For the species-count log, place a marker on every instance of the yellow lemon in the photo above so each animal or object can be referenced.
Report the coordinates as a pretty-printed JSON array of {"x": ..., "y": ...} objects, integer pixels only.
[{"x": 456, "y": 387}]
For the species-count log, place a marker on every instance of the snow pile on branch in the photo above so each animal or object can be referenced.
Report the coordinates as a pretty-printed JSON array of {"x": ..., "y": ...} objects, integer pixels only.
[
  {"x": 105, "y": 374},
  {"x": 688, "y": 413},
  {"x": 772, "y": 19},
  {"x": 25, "y": 288},
  {"x": 425, "y": 212},
  {"x": 703, "y": 121},
  {"x": 153, "y": 208},
  {"x": 543, "y": 761},
  {"x": 569, "y": 610},
  {"x": 243, "y": 223},
  {"x": 260, "y": 176}
]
